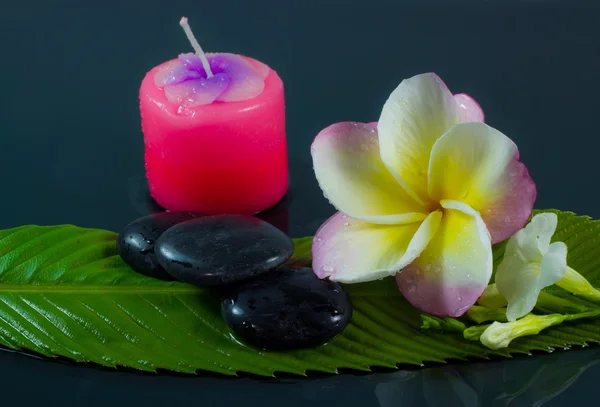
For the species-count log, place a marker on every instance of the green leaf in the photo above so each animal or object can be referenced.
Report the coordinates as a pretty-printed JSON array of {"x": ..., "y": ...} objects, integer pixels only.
[{"x": 64, "y": 291}]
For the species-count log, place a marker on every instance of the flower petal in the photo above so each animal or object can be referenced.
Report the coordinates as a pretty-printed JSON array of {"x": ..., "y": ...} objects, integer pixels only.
[
  {"x": 352, "y": 176},
  {"x": 469, "y": 110},
  {"x": 416, "y": 114},
  {"x": 518, "y": 282},
  {"x": 480, "y": 166},
  {"x": 530, "y": 264},
  {"x": 352, "y": 251},
  {"x": 533, "y": 241},
  {"x": 554, "y": 264},
  {"x": 454, "y": 269}
]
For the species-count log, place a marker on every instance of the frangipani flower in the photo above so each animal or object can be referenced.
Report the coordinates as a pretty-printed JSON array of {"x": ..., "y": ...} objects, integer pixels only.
[
  {"x": 426, "y": 191},
  {"x": 530, "y": 264}
]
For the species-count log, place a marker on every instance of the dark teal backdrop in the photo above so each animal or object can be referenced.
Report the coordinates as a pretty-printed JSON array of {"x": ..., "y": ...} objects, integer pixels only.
[{"x": 71, "y": 148}]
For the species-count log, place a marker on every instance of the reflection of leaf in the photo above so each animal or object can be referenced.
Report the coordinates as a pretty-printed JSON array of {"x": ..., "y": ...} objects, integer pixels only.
[
  {"x": 404, "y": 389},
  {"x": 517, "y": 378},
  {"x": 513, "y": 383},
  {"x": 446, "y": 387},
  {"x": 555, "y": 377},
  {"x": 65, "y": 292}
]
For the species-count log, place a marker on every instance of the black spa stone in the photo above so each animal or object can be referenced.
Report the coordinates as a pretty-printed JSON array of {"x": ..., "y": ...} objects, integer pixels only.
[
  {"x": 286, "y": 309},
  {"x": 224, "y": 249},
  {"x": 136, "y": 243}
]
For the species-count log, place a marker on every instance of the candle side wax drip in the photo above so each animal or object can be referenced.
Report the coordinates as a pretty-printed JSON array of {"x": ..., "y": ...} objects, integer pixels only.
[{"x": 186, "y": 82}]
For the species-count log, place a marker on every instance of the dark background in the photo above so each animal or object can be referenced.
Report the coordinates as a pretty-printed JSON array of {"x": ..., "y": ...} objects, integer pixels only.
[{"x": 71, "y": 148}]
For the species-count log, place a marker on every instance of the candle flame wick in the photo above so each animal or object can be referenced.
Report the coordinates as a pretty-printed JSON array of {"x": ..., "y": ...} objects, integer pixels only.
[{"x": 190, "y": 36}]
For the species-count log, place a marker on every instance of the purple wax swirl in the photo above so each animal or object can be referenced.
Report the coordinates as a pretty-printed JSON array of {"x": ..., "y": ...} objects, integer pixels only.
[{"x": 186, "y": 82}]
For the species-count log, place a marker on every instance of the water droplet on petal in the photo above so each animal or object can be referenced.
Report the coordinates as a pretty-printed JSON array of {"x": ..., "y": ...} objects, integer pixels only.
[
  {"x": 412, "y": 288},
  {"x": 461, "y": 311},
  {"x": 327, "y": 269},
  {"x": 460, "y": 298},
  {"x": 346, "y": 223},
  {"x": 364, "y": 147},
  {"x": 344, "y": 216}
]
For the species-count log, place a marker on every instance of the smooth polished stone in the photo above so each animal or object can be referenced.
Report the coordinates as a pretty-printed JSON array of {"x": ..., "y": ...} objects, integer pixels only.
[
  {"x": 136, "y": 242},
  {"x": 223, "y": 249},
  {"x": 288, "y": 309}
]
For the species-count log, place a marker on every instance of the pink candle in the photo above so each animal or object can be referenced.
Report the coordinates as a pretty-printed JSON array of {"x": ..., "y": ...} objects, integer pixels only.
[{"x": 214, "y": 133}]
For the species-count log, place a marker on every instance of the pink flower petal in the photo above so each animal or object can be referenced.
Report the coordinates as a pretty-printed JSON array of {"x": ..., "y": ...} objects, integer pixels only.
[
  {"x": 510, "y": 211},
  {"x": 478, "y": 165},
  {"x": 350, "y": 172},
  {"x": 417, "y": 113},
  {"x": 351, "y": 251},
  {"x": 469, "y": 110},
  {"x": 455, "y": 268}
]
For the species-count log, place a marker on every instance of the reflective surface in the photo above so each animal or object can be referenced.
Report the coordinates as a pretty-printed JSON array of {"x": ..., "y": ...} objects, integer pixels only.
[
  {"x": 550, "y": 380},
  {"x": 71, "y": 149}
]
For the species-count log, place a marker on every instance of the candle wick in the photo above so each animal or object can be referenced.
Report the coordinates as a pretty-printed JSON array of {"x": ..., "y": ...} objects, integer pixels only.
[{"x": 190, "y": 36}]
